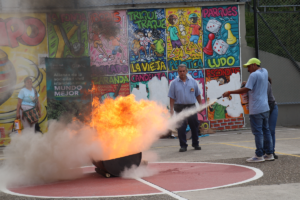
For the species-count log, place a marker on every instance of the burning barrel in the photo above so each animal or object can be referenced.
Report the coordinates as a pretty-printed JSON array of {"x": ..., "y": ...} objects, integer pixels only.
[{"x": 114, "y": 167}]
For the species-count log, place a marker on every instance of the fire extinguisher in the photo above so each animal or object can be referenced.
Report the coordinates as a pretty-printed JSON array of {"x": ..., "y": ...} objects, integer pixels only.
[{"x": 18, "y": 125}]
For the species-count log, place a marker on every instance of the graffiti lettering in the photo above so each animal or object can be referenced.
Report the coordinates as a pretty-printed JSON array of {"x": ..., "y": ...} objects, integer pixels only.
[
  {"x": 68, "y": 17},
  {"x": 105, "y": 17},
  {"x": 221, "y": 62},
  {"x": 28, "y": 31},
  {"x": 146, "y": 19},
  {"x": 221, "y": 72},
  {"x": 147, "y": 15},
  {"x": 109, "y": 69},
  {"x": 106, "y": 80},
  {"x": 216, "y": 12},
  {"x": 191, "y": 64},
  {"x": 194, "y": 73},
  {"x": 145, "y": 77},
  {"x": 150, "y": 67}
]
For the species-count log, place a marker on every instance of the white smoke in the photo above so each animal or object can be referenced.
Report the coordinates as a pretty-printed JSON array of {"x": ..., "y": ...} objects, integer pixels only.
[
  {"x": 144, "y": 170},
  {"x": 33, "y": 158}
]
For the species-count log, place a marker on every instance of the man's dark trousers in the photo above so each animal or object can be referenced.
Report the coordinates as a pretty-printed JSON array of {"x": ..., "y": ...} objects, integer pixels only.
[{"x": 192, "y": 121}]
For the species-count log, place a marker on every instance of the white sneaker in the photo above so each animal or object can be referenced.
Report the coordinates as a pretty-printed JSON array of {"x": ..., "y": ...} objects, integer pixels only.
[
  {"x": 269, "y": 157},
  {"x": 256, "y": 159}
]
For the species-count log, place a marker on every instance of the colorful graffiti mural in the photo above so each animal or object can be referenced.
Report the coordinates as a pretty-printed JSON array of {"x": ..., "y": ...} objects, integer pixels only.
[
  {"x": 134, "y": 51},
  {"x": 110, "y": 86},
  {"x": 108, "y": 41},
  {"x": 221, "y": 36},
  {"x": 152, "y": 86},
  {"x": 198, "y": 75},
  {"x": 184, "y": 37},
  {"x": 67, "y": 35},
  {"x": 219, "y": 81},
  {"x": 23, "y": 45},
  {"x": 146, "y": 39}
]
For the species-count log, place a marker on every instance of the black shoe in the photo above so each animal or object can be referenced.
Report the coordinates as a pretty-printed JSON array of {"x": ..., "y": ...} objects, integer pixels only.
[
  {"x": 197, "y": 148},
  {"x": 182, "y": 149},
  {"x": 275, "y": 156}
]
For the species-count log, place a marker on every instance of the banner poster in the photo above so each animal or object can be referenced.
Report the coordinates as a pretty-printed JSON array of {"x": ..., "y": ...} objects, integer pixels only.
[
  {"x": 23, "y": 46},
  {"x": 109, "y": 86},
  {"x": 221, "y": 44},
  {"x": 184, "y": 37},
  {"x": 219, "y": 81},
  {"x": 198, "y": 75},
  {"x": 152, "y": 86},
  {"x": 146, "y": 39},
  {"x": 108, "y": 41},
  {"x": 67, "y": 35},
  {"x": 68, "y": 83}
]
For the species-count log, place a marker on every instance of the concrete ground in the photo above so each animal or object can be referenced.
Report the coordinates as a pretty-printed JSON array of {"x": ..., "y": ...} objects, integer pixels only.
[{"x": 281, "y": 179}]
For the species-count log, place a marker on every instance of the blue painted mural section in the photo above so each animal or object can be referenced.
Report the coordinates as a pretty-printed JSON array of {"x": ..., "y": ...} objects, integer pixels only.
[
  {"x": 146, "y": 39},
  {"x": 221, "y": 36}
]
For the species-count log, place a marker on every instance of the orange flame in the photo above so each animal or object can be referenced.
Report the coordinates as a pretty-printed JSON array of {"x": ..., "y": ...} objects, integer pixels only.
[{"x": 125, "y": 126}]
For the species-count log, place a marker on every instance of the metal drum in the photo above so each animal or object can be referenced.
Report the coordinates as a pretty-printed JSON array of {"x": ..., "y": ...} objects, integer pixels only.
[{"x": 114, "y": 167}]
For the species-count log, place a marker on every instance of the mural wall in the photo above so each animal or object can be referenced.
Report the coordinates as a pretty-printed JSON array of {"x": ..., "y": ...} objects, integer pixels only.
[
  {"x": 67, "y": 35},
  {"x": 221, "y": 36},
  {"x": 219, "y": 81},
  {"x": 152, "y": 86},
  {"x": 108, "y": 41},
  {"x": 146, "y": 40},
  {"x": 124, "y": 52},
  {"x": 184, "y": 40},
  {"x": 23, "y": 46},
  {"x": 110, "y": 86}
]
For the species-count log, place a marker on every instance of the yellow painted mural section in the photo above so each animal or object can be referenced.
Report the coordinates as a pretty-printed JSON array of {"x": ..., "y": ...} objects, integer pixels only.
[
  {"x": 184, "y": 37},
  {"x": 23, "y": 45}
]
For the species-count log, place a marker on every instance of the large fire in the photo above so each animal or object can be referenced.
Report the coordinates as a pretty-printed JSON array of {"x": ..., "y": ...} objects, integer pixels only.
[{"x": 125, "y": 126}]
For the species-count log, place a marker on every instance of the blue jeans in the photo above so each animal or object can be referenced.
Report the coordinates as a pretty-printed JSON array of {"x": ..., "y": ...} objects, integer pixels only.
[
  {"x": 272, "y": 124},
  {"x": 194, "y": 124},
  {"x": 260, "y": 129}
]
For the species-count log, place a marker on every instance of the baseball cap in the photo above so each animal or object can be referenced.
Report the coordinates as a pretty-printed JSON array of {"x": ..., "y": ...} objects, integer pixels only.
[
  {"x": 252, "y": 61},
  {"x": 193, "y": 15}
]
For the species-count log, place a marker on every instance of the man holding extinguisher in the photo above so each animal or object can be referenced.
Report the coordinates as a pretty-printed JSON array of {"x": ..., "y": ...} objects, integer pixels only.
[{"x": 257, "y": 86}]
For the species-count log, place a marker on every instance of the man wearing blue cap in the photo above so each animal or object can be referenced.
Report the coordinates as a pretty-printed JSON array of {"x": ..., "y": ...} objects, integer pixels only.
[{"x": 257, "y": 86}]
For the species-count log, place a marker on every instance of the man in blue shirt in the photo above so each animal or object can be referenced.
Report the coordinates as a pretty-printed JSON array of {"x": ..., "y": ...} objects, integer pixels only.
[
  {"x": 183, "y": 93},
  {"x": 257, "y": 86}
]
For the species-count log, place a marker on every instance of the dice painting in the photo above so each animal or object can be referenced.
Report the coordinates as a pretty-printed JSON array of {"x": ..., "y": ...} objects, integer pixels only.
[
  {"x": 220, "y": 47},
  {"x": 213, "y": 26}
]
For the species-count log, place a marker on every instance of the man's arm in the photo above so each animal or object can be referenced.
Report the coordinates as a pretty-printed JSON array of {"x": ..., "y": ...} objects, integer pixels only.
[
  {"x": 199, "y": 99},
  {"x": 172, "y": 97},
  {"x": 238, "y": 91},
  {"x": 172, "y": 101}
]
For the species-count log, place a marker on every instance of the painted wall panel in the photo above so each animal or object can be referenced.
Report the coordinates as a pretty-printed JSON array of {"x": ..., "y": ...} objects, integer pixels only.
[
  {"x": 110, "y": 86},
  {"x": 152, "y": 86},
  {"x": 219, "y": 81},
  {"x": 146, "y": 32},
  {"x": 221, "y": 45},
  {"x": 67, "y": 35},
  {"x": 108, "y": 41},
  {"x": 23, "y": 46},
  {"x": 184, "y": 37}
]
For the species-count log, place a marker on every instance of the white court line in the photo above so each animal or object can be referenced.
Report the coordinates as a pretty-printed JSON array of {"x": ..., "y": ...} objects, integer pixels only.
[
  {"x": 258, "y": 174},
  {"x": 161, "y": 189},
  {"x": 5, "y": 190}
]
